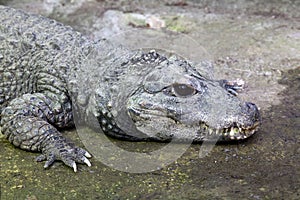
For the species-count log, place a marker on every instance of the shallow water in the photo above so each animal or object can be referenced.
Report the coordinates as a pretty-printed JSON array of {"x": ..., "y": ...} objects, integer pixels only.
[{"x": 257, "y": 43}]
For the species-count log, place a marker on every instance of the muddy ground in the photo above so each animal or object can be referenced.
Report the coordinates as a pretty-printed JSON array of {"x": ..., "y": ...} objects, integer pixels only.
[{"x": 256, "y": 41}]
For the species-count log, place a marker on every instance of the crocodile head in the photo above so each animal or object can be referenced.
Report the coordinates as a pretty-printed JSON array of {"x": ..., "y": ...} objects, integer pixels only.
[{"x": 168, "y": 98}]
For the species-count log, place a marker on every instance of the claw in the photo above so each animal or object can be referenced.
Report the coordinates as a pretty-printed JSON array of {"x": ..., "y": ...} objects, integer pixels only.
[
  {"x": 74, "y": 167},
  {"x": 50, "y": 160},
  {"x": 87, "y": 162},
  {"x": 87, "y": 154}
]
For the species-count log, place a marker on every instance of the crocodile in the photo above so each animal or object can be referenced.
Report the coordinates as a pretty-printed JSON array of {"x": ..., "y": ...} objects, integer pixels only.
[{"x": 51, "y": 74}]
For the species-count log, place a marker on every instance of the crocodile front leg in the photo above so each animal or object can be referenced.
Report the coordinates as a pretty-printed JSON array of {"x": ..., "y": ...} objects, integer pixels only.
[{"x": 29, "y": 123}]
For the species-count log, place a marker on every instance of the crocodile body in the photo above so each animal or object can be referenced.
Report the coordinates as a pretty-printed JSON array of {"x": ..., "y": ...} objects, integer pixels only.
[{"x": 49, "y": 73}]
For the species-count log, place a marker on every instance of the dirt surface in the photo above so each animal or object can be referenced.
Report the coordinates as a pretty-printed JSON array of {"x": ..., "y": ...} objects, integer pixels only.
[{"x": 256, "y": 41}]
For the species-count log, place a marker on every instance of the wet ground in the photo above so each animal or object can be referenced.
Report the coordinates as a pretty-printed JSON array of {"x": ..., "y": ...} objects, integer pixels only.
[{"x": 256, "y": 41}]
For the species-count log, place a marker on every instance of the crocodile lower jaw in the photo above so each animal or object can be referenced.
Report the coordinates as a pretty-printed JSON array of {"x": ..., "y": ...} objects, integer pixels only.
[{"x": 231, "y": 133}]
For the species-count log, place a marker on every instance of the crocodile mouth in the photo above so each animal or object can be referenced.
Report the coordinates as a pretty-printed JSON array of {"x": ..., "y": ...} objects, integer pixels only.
[{"x": 233, "y": 132}]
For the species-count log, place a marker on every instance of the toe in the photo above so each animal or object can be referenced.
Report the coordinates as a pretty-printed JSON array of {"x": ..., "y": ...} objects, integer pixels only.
[
  {"x": 87, "y": 162},
  {"x": 83, "y": 152},
  {"x": 50, "y": 160},
  {"x": 41, "y": 158},
  {"x": 74, "y": 166}
]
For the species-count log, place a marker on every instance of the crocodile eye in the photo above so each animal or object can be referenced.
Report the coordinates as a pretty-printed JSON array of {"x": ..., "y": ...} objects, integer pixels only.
[{"x": 183, "y": 90}]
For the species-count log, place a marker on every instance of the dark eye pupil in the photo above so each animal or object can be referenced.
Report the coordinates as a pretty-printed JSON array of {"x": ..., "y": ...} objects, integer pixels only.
[{"x": 183, "y": 90}]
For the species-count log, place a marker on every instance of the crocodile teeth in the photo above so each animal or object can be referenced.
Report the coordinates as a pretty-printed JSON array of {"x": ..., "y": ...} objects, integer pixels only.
[
  {"x": 236, "y": 130},
  {"x": 234, "y": 133},
  {"x": 231, "y": 133},
  {"x": 249, "y": 132}
]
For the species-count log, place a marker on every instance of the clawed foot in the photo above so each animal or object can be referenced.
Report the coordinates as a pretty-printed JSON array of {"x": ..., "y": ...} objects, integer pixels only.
[{"x": 69, "y": 155}]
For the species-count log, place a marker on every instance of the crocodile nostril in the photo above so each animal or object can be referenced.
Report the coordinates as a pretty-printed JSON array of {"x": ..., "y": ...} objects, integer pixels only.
[
  {"x": 250, "y": 105},
  {"x": 252, "y": 108}
]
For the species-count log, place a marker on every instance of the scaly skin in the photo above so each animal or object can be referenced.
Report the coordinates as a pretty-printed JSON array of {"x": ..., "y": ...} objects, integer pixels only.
[
  {"x": 48, "y": 71},
  {"x": 34, "y": 98}
]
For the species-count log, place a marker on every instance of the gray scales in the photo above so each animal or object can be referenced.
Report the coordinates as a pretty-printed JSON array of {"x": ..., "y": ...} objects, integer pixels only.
[{"x": 50, "y": 73}]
